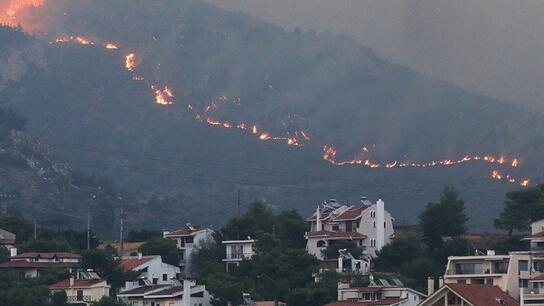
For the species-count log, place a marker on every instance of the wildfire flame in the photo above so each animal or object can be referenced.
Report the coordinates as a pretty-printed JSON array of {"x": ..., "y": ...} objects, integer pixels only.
[
  {"x": 111, "y": 46},
  {"x": 10, "y": 15},
  {"x": 330, "y": 153},
  {"x": 130, "y": 61},
  {"x": 163, "y": 96}
]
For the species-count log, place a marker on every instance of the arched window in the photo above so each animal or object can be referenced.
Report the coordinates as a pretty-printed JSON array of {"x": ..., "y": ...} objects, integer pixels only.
[{"x": 321, "y": 244}]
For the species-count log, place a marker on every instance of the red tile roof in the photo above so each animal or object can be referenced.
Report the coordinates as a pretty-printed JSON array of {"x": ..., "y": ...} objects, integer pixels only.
[
  {"x": 131, "y": 263},
  {"x": 78, "y": 283},
  {"x": 483, "y": 295},
  {"x": 47, "y": 255},
  {"x": 23, "y": 264},
  {"x": 382, "y": 302},
  {"x": 335, "y": 235},
  {"x": 367, "y": 289},
  {"x": 353, "y": 213}
]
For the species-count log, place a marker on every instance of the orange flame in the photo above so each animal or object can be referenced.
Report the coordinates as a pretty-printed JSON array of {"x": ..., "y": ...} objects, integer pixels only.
[
  {"x": 163, "y": 96},
  {"x": 130, "y": 61},
  {"x": 10, "y": 15},
  {"x": 111, "y": 46}
]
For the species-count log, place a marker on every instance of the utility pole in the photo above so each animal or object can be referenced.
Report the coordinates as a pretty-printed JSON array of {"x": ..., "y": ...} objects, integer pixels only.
[
  {"x": 238, "y": 214},
  {"x": 88, "y": 227},
  {"x": 121, "y": 233},
  {"x": 35, "y": 230}
]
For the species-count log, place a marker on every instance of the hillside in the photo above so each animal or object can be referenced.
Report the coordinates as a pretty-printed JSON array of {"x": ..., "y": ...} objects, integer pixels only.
[{"x": 82, "y": 100}]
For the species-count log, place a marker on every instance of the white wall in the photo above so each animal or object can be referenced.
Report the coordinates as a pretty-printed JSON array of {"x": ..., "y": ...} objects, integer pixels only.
[{"x": 366, "y": 227}]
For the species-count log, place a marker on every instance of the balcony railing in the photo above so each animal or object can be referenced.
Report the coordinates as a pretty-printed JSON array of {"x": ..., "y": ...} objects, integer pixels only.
[
  {"x": 75, "y": 299},
  {"x": 239, "y": 255}
]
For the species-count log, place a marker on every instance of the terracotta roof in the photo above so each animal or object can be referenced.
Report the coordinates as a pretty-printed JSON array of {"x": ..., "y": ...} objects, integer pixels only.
[
  {"x": 352, "y": 213},
  {"x": 339, "y": 235},
  {"x": 483, "y": 295},
  {"x": 7, "y": 241},
  {"x": 382, "y": 302},
  {"x": 23, "y": 264},
  {"x": 538, "y": 278},
  {"x": 47, "y": 255},
  {"x": 78, "y": 283},
  {"x": 131, "y": 263},
  {"x": 366, "y": 289}
]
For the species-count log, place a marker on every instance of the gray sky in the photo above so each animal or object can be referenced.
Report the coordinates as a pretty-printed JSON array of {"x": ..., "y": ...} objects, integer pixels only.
[{"x": 495, "y": 47}]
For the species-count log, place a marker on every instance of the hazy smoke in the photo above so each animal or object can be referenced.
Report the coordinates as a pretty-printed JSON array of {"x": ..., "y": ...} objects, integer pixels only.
[{"x": 489, "y": 46}]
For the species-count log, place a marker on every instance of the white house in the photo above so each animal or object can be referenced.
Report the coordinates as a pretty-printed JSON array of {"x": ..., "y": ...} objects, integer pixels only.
[
  {"x": 237, "y": 251},
  {"x": 151, "y": 268},
  {"x": 29, "y": 265},
  {"x": 369, "y": 225},
  {"x": 187, "y": 240},
  {"x": 7, "y": 239},
  {"x": 393, "y": 295},
  {"x": 536, "y": 238},
  {"x": 173, "y": 294},
  {"x": 83, "y": 291},
  {"x": 511, "y": 273},
  {"x": 469, "y": 295}
]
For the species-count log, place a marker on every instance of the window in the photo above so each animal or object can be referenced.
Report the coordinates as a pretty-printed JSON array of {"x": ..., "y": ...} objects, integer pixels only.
[
  {"x": 189, "y": 239},
  {"x": 479, "y": 281},
  {"x": 164, "y": 277},
  {"x": 489, "y": 281},
  {"x": 384, "y": 224},
  {"x": 335, "y": 227},
  {"x": 321, "y": 244},
  {"x": 349, "y": 226},
  {"x": 80, "y": 295},
  {"x": 372, "y": 242},
  {"x": 236, "y": 251},
  {"x": 461, "y": 281},
  {"x": 155, "y": 281},
  {"x": 372, "y": 214},
  {"x": 374, "y": 224},
  {"x": 453, "y": 299},
  {"x": 523, "y": 283},
  {"x": 523, "y": 265}
]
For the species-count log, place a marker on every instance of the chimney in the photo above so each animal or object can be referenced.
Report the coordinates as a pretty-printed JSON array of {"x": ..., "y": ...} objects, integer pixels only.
[
  {"x": 340, "y": 264},
  {"x": 187, "y": 292},
  {"x": 71, "y": 281},
  {"x": 380, "y": 227},
  {"x": 318, "y": 220},
  {"x": 140, "y": 255},
  {"x": 490, "y": 252},
  {"x": 440, "y": 282},
  {"x": 13, "y": 252},
  {"x": 430, "y": 286}
]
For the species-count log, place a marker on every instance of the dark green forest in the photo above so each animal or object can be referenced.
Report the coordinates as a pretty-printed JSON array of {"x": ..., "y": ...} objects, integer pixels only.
[{"x": 161, "y": 163}]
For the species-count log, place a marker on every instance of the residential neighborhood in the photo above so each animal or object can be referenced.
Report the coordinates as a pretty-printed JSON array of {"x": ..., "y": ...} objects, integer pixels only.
[{"x": 348, "y": 243}]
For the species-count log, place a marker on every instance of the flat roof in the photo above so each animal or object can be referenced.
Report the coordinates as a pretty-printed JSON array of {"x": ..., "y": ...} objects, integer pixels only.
[{"x": 238, "y": 241}]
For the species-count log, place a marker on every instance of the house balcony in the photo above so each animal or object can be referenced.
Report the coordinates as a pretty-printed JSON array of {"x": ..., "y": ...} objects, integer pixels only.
[
  {"x": 75, "y": 299},
  {"x": 533, "y": 294},
  {"x": 238, "y": 256}
]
